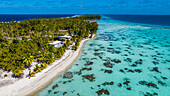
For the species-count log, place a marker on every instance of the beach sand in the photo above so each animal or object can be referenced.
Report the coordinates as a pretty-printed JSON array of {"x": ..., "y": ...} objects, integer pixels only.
[{"x": 27, "y": 87}]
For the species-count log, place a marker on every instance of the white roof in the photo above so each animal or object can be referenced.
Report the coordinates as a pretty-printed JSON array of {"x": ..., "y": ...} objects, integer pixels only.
[
  {"x": 57, "y": 46},
  {"x": 65, "y": 36},
  {"x": 55, "y": 42}
]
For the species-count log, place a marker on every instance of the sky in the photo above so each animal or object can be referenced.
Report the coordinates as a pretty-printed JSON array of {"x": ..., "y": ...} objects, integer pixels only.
[{"x": 158, "y": 7}]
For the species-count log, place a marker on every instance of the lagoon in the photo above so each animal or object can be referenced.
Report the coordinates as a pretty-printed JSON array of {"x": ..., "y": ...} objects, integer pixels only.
[{"x": 126, "y": 59}]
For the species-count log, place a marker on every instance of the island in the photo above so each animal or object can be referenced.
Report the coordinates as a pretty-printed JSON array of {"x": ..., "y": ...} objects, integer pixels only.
[{"x": 33, "y": 52}]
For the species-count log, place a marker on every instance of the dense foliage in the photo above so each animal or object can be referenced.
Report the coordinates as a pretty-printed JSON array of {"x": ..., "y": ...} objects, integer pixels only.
[
  {"x": 23, "y": 42},
  {"x": 90, "y": 17}
]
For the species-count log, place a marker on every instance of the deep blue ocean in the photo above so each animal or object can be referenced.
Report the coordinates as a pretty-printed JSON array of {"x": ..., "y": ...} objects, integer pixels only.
[
  {"x": 163, "y": 20},
  {"x": 25, "y": 17}
]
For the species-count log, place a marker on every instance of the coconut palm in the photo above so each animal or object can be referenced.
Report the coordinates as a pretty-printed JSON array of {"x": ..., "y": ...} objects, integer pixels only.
[
  {"x": 17, "y": 72},
  {"x": 50, "y": 58},
  {"x": 16, "y": 52},
  {"x": 37, "y": 68},
  {"x": 28, "y": 60},
  {"x": 43, "y": 65},
  {"x": 31, "y": 74}
]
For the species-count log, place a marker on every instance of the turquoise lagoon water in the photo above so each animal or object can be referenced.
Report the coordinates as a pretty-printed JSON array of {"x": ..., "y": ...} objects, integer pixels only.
[{"x": 126, "y": 59}]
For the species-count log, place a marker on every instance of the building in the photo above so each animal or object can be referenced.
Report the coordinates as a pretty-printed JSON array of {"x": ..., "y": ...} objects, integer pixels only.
[
  {"x": 64, "y": 37},
  {"x": 56, "y": 44}
]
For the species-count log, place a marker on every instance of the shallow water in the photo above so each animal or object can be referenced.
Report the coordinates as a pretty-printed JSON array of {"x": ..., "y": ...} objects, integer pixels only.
[{"x": 125, "y": 59}]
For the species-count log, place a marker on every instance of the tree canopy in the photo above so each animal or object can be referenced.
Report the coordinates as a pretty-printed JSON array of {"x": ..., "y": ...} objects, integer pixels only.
[{"x": 25, "y": 41}]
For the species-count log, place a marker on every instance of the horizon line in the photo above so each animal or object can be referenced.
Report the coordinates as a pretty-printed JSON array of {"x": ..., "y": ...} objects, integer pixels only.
[{"x": 73, "y": 14}]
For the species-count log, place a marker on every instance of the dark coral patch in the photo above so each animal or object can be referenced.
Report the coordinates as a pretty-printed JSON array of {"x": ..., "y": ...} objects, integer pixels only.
[
  {"x": 121, "y": 70},
  {"x": 85, "y": 58},
  {"x": 92, "y": 44},
  {"x": 138, "y": 70},
  {"x": 108, "y": 83},
  {"x": 68, "y": 75},
  {"x": 168, "y": 60},
  {"x": 78, "y": 94},
  {"x": 85, "y": 53},
  {"x": 93, "y": 58},
  {"x": 90, "y": 77},
  {"x": 100, "y": 92},
  {"x": 108, "y": 71},
  {"x": 96, "y": 49},
  {"x": 106, "y": 92},
  {"x": 155, "y": 63},
  {"x": 49, "y": 91},
  {"x": 64, "y": 93},
  {"x": 125, "y": 55},
  {"x": 69, "y": 80},
  {"x": 108, "y": 64},
  {"x": 88, "y": 69},
  {"x": 128, "y": 59},
  {"x": 102, "y": 47},
  {"x": 79, "y": 72},
  {"x": 133, "y": 65},
  {"x": 111, "y": 50},
  {"x": 149, "y": 84},
  {"x": 116, "y": 61},
  {"x": 55, "y": 86},
  {"x": 151, "y": 94},
  {"x": 126, "y": 82},
  {"x": 128, "y": 88},
  {"x": 155, "y": 93},
  {"x": 130, "y": 71},
  {"x": 155, "y": 69},
  {"x": 100, "y": 57},
  {"x": 162, "y": 83},
  {"x": 136, "y": 62},
  {"x": 141, "y": 54},
  {"x": 56, "y": 92},
  {"x": 98, "y": 54},
  {"x": 88, "y": 63},
  {"x": 139, "y": 61},
  {"x": 119, "y": 85},
  {"x": 164, "y": 77}
]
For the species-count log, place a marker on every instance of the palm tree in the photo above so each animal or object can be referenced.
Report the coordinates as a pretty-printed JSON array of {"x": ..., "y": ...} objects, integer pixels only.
[
  {"x": 37, "y": 68},
  {"x": 11, "y": 54},
  {"x": 43, "y": 65},
  {"x": 75, "y": 47},
  {"x": 28, "y": 60},
  {"x": 17, "y": 72},
  {"x": 31, "y": 74},
  {"x": 42, "y": 58},
  {"x": 50, "y": 58}
]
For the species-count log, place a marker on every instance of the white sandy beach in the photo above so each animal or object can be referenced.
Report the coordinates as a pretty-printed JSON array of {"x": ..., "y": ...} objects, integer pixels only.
[{"x": 27, "y": 87}]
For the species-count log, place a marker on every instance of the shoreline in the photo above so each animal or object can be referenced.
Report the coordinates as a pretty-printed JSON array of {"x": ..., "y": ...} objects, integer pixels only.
[{"x": 36, "y": 84}]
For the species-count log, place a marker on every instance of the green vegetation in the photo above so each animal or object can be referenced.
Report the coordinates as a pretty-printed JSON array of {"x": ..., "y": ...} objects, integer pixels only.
[
  {"x": 90, "y": 17},
  {"x": 23, "y": 42},
  {"x": 31, "y": 74}
]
